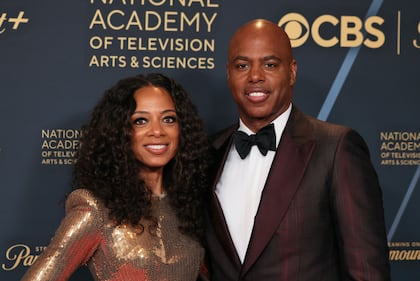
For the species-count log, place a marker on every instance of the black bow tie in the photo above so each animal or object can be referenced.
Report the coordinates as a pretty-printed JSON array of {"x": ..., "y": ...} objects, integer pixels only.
[{"x": 265, "y": 139}]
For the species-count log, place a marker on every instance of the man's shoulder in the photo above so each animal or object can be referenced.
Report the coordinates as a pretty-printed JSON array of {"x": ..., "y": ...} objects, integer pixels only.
[
  {"x": 220, "y": 137},
  {"x": 317, "y": 126},
  {"x": 303, "y": 127}
]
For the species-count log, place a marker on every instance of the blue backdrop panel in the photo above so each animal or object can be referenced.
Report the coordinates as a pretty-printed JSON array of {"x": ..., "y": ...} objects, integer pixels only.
[{"x": 356, "y": 66}]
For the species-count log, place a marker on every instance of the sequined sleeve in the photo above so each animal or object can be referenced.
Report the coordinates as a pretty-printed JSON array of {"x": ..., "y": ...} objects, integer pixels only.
[{"x": 74, "y": 242}]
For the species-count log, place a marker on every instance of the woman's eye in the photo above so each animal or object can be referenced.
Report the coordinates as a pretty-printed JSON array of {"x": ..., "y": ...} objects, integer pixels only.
[
  {"x": 139, "y": 121},
  {"x": 169, "y": 119}
]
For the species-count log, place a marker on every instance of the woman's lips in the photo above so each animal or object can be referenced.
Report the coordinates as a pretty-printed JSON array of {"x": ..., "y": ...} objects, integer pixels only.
[{"x": 156, "y": 148}]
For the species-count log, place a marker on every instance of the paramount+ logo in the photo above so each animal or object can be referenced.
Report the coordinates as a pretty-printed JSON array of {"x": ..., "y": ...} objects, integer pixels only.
[{"x": 330, "y": 31}]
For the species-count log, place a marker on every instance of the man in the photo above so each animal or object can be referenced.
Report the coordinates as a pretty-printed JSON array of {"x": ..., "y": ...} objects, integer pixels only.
[{"x": 309, "y": 206}]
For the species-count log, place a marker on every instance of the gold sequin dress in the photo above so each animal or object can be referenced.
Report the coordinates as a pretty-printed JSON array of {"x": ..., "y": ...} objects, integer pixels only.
[{"x": 117, "y": 253}]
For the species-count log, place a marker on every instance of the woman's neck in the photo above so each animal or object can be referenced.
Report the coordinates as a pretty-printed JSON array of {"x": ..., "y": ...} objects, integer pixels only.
[{"x": 153, "y": 181}]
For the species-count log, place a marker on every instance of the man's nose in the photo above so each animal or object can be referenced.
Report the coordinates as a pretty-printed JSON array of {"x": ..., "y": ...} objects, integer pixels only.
[{"x": 256, "y": 74}]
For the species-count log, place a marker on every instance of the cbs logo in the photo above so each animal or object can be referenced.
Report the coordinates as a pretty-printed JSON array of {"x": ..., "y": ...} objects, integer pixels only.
[{"x": 349, "y": 31}]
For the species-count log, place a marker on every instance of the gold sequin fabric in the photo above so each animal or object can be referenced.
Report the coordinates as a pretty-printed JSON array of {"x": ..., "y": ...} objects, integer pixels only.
[{"x": 86, "y": 235}]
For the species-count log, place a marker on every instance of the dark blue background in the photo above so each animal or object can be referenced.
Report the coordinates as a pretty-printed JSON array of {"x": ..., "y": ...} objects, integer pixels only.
[{"x": 46, "y": 83}]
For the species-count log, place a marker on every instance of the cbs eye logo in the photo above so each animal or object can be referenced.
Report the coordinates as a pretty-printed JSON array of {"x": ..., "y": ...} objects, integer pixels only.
[{"x": 348, "y": 31}]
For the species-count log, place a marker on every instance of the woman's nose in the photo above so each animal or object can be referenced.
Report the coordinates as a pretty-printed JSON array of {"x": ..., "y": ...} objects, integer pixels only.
[{"x": 157, "y": 129}]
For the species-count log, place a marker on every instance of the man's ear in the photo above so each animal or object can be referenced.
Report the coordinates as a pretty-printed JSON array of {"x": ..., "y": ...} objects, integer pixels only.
[{"x": 293, "y": 72}]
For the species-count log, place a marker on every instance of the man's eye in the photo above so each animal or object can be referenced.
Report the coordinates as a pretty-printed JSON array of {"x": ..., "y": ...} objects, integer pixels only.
[
  {"x": 270, "y": 65},
  {"x": 241, "y": 66}
]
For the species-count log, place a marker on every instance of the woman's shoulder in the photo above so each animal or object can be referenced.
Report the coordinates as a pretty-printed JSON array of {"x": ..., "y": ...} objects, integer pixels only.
[{"x": 82, "y": 198}]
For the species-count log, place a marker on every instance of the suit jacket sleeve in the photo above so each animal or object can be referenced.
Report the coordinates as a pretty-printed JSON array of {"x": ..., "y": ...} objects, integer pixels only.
[{"x": 358, "y": 212}]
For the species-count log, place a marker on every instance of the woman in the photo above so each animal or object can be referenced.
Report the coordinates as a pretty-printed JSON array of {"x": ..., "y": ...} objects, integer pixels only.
[{"x": 140, "y": 178}]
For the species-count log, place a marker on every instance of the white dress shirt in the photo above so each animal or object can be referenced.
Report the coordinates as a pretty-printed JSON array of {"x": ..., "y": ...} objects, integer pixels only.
[{"x": 241, "y": 184}]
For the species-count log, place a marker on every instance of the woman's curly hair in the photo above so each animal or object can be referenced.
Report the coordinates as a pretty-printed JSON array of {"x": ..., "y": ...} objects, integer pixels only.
[{"x": 105, "y": 163}]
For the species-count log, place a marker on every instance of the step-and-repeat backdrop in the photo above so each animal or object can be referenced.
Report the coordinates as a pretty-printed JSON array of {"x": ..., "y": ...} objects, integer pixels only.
[{"x": 358, "y": 65}]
